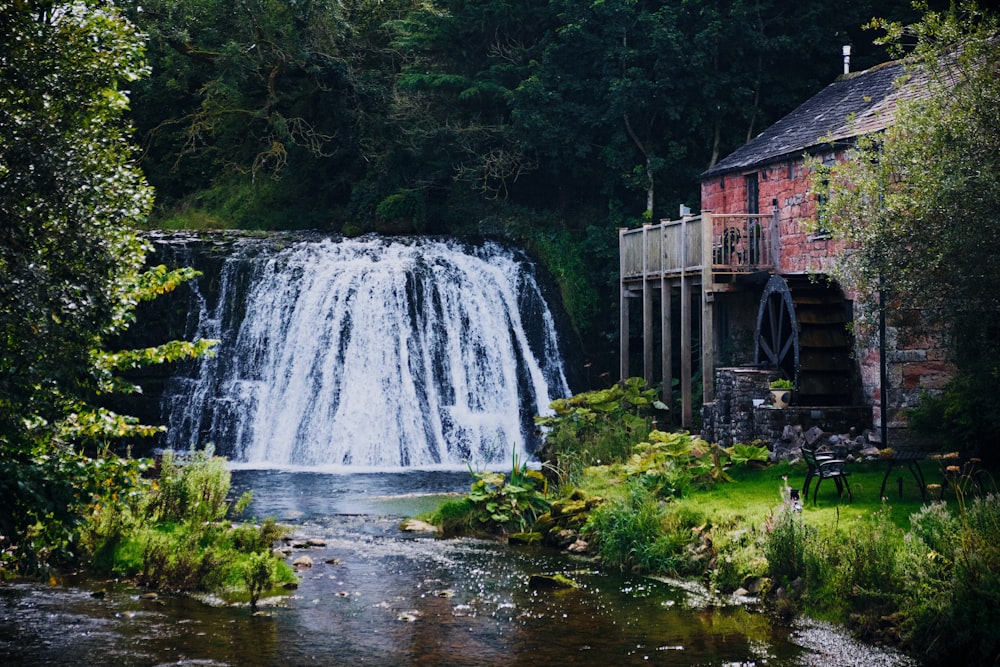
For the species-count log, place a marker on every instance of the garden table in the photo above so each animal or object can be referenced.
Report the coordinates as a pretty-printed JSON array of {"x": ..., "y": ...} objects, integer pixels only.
[{"x": 911, "y": 459}]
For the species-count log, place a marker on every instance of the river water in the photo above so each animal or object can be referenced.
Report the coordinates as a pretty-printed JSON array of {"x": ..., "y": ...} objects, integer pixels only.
[{"x": 380, "y": 596}]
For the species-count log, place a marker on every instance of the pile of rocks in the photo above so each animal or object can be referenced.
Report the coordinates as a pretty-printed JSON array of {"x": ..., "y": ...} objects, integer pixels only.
[{"x": 849, "y": 446}]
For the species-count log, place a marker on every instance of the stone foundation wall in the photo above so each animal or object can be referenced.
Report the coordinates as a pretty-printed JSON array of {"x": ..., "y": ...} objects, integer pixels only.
[{"x": 733, "y": 418}]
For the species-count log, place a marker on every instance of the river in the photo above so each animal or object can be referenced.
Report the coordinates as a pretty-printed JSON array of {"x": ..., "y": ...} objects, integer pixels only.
[{"x": 379, "y": 596}]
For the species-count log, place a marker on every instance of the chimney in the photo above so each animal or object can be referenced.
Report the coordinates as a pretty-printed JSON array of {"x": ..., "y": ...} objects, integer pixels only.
[{"x": 846, "y": 49}]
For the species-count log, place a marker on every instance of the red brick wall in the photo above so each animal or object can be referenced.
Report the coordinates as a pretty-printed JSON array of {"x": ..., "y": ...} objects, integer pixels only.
[
  {"x": 915, "y": 363},
  {"x": 801, "y": 249}
]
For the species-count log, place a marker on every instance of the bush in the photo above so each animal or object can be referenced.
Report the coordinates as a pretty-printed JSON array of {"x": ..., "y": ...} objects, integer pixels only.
[
  {"x": 867, "y": 575},
  {"x": 176, "y": 534},
  {"x": 952, "y": 591},
  {"x": 786, "y": 535},
  {"x": 638, "y": 533},
  {"x": 500, "y": 505},
  {"x": 597, "y": 427}
]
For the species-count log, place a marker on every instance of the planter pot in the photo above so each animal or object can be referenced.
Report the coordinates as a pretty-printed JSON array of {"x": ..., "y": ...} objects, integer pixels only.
[{"x": 781, "y": 397}]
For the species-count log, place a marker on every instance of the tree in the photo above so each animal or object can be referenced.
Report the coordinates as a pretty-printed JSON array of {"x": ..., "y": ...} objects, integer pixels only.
[
  {"x": 70, "y": 260},
  {"x": 243, "y": 94},
  {"x": 920, "y": 200}
]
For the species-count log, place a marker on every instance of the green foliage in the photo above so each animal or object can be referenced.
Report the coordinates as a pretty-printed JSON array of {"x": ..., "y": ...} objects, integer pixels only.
[
  {"x": 598, "y": 427},
  {"x": 47, "y": 495},
  {"x": 174, "y": 533},
  {"x": 748, "y": 454},
  {"x": 405, "y": 207},
  {"x": 919, "y": 200},
  {"x": 785, "y": 540},
  {"x": 961, "y": 416},
  {"x": 258, "y": 574},
  {"x": 191, "y": 488},
  {"x": 72, "y": 268},
  {"x": 638, "y": 534},
  {"x": 951, "y": 585},
  {"x": 671, "y": 463},
  {"x": 571, "y": 261},
  {"x": 508, "y": 505},
  {"x": 455, "y": 517},
  {"x": 69, "y": 195},
  {"x": 865, "y": 565}
]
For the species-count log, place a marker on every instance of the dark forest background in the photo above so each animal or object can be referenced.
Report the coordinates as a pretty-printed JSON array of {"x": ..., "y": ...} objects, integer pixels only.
[{"x": 550, "y": 124}]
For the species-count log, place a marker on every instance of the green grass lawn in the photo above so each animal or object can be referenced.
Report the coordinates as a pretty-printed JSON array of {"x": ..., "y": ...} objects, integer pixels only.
[{"x": 754, "y": 494}]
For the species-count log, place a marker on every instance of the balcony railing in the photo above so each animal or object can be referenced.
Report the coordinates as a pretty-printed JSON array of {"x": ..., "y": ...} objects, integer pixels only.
[{"x": 725, "y": 244}]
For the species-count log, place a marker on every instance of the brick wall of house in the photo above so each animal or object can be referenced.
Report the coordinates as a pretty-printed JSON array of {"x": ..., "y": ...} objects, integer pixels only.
[
  {"x": 915, "y": 362},
  {"x": 802, "y": 250}
]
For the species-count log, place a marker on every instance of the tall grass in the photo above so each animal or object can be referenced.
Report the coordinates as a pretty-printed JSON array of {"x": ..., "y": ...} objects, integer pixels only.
[
  {"x": 178, "y": 535},
  {"x": 640, "y": 533}
]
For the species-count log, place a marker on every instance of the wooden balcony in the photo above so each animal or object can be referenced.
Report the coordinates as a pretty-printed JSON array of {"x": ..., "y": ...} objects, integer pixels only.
[
  {"x": 691, "y": 259},
  {"x": 708, "y": 245}
]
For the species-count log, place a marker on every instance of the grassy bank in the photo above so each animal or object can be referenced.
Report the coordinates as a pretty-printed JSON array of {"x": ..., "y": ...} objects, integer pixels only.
[{"x": 922, "y": 575}]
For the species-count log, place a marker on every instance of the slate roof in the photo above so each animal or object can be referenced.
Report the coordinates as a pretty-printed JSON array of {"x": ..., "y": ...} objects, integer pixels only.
[{"x": 853, "y": 105}]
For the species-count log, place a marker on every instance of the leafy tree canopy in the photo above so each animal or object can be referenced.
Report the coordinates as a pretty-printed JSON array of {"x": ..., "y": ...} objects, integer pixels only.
[
  {"x": 71, "y": 264},
  {"x": 920, "y": 200}
]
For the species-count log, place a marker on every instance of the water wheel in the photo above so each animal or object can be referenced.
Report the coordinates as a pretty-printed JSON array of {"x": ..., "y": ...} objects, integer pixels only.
[{"x": 777, "y": 333}]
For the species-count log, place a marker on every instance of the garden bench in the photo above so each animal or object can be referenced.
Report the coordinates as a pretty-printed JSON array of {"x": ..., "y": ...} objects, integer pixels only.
[{"x": 824, "y": 466}]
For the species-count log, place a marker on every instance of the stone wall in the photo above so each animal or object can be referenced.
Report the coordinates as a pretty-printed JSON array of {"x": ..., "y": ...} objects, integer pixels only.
[
  {"x": 730, "y": 418},
  {"x": 733, "y": 418}
]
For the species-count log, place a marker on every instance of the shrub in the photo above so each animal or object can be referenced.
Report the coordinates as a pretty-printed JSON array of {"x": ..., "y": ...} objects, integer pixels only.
[
  {"x": 952, "y": 600},
  {"x": 176, "y": 534},
  {"x": 597, "y": 427},
  {"x": 786, "y": 535},
  {"x": 740, "y": 558},
  {"x": 867, "y": 576},
  {"x": 499, "y": 505},
  {"x": 639, "y": 533}
]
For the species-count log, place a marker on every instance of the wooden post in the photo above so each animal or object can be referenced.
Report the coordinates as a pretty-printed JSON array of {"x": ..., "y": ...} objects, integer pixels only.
[
  {"x": 685, "y": 351},
  {"x": 623, "y": 332},
  {"x": 707, "y": 311},
  {"x": 647, "y": 309},
  {"x": 666, "y": 322},
  {"x": 666, "y": 343}
]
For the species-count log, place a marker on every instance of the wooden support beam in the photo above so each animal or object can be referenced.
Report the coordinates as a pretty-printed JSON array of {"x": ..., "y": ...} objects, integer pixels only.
[
  {"x": 647, "y": 309},
  {"x": 707, "y": 311},
  {"x": 666, "y": 343},
  {"x": 623, "y": 330},
  {"x": 685, "y": 346}
]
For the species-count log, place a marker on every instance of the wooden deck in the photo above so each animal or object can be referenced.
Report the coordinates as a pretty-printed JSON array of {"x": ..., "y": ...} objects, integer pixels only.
[
  {"x": 724, "y": 244},
  {"x": 696, "y": 255}
]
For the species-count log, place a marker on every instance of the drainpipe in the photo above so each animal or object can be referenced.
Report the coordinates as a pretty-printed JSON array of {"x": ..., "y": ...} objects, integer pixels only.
[{"x": 883, "y": 371}]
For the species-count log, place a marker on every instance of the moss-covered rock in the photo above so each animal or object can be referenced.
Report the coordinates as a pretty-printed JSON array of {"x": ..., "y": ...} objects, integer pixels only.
[
  {"x": 525, "y": 538},
  {"x": 550, "y": 582}
]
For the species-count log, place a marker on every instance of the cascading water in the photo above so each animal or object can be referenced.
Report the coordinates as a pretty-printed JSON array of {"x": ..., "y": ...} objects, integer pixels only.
[{"x": 370, "y": 353}]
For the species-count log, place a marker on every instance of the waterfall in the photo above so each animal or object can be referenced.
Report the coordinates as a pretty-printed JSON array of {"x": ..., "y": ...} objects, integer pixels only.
[{"x": 370, "y": 353}]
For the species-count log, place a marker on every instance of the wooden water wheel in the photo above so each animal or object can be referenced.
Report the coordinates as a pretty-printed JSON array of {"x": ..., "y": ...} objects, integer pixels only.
[{"x": 777, "y": 333}]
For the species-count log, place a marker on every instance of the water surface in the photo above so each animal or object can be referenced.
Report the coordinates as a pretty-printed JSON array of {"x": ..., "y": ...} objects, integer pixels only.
[{"x": 379, "y": 596}]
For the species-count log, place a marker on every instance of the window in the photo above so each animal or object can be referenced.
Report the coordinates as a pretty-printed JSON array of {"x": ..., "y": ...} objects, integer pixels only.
[
  {"x": 822, "y": 227},
  {"x": 753, "y": 193}
]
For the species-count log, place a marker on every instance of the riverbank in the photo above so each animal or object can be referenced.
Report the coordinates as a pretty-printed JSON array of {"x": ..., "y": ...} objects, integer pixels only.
[
  {"x": 380, "y": 596},
  {"x": 901, "y": 570}
]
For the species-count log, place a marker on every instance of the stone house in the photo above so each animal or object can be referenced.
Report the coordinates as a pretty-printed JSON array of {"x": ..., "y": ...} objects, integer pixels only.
[{"x": 746, "y": 285}]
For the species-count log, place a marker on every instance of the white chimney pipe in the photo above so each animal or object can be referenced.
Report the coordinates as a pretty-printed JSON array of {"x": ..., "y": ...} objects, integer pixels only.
[{"x": 847, "y": 58}]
